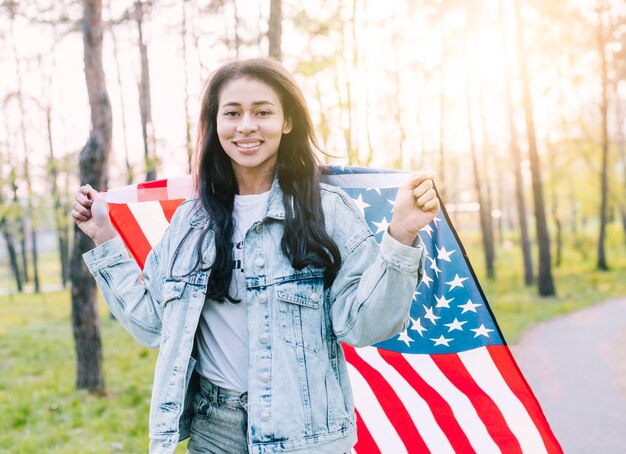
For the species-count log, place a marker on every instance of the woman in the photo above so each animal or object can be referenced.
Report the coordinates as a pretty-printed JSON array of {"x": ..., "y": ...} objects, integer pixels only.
[{"x": 259, "y": 279}]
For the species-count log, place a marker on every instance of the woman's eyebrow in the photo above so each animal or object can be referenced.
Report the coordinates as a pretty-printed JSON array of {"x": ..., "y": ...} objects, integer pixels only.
[{"x": 255, "y": 103}]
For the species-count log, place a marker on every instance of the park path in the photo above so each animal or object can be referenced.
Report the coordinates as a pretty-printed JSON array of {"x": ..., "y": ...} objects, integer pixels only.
[{"x": 576, "y": 365}]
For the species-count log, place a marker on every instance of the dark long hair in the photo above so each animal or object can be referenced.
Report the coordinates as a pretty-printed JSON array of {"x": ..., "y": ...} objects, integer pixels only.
[{"x": 305, "y": 241}]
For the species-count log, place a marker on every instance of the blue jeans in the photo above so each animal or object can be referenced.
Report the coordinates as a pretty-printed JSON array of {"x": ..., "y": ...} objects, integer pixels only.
[{"x": 220, "y": 422}]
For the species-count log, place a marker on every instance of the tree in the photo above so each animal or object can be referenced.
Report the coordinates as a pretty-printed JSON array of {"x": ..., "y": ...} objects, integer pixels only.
[
  {"x": 275, "y": 30},
  {"x": 145, "y": 105},
  {"x": 545, "y": 282},
  {"x": 604, "y": 112},
  {"x": 93, "y": 164},
  {"x": 516, "y": 158}
]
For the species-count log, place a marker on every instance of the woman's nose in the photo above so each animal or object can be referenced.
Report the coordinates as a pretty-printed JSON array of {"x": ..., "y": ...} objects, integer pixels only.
[{"x": 247, "y": 124}]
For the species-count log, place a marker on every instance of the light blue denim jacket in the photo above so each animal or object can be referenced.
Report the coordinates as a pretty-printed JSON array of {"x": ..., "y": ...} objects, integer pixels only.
[{"x": 299, "y": 394}]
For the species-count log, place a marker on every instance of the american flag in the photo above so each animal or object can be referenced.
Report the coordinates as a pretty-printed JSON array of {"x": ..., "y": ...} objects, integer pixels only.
[{"x": 448, "y": 383}]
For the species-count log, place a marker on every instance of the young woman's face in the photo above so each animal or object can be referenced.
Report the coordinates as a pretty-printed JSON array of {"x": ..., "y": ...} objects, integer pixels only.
[{"x": 250, "y": 125}]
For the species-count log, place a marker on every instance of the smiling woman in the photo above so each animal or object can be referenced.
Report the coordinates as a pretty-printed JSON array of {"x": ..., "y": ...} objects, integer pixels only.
[{"x": 259, "y": 279}]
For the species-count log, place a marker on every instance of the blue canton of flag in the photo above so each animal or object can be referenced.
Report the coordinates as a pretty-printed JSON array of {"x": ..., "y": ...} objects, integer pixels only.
[{"x": 448, "y": 312}]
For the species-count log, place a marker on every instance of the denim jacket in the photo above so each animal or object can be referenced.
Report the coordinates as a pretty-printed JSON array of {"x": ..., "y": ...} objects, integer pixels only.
[{"x": 299, "y": 397}]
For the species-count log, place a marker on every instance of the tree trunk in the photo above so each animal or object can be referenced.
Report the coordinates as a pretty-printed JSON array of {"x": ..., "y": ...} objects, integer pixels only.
[
  {"x": 442, "y": 108},
  {"x": 93, "y": 163},
  {"x": 488, "y": 246},
  {"x": 129, "y": 170},
  {"x": 29, "y": 215},
  {"x": 545, "y": 282},
  {"x": 604, "y": 108},
  {"x": 145, "y": 107},
  {"x": 188, "y": 145},
  {"x": 275, "y": 30},
  {"x": 516, "y": 159}
]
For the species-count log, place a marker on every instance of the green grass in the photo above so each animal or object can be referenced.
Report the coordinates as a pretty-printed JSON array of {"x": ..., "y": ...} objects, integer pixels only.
[{"x": 40, "y": 410}]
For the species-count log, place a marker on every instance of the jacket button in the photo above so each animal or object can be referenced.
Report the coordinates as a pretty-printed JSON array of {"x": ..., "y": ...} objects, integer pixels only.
[
  {"x": 265, "y": 377},
  {"x": 258, "y": 228},
  {"x": 263, "y": 298},
  {"x": 265, "y": 416},
  {"x": 259, "y": 261},
  {"x": 315, "y": 297},
  {"x": 264, "y": 338}
]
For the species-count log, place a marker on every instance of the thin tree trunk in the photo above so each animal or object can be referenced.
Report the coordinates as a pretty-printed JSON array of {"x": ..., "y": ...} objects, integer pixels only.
[
  {"x": 516, "y": 159},
  {"x": 60, "y": 218},
  {"x": 29, "y": 212},
  {"x": 275, "y": 30},
  {"x": 442, "y": 108},
  {"x": 398, "y": 97},
  {"x": 145, "y": 106},
  {"x": 188, "y": 145},
  {"x": 488, "y": 246},
  {"x": 604, "y": 109},
  {"x": 93, "y": 163},
  {"x": 129, "y": 170},
  {"x": 545, "y": 283}
]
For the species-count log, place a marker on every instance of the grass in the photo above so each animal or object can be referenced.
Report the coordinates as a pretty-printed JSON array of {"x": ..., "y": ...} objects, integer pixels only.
[{"x": 40, "y": 410}]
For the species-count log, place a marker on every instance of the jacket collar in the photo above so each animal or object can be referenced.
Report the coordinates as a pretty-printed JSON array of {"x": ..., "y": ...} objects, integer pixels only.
[{"x": 275, "y": 207}]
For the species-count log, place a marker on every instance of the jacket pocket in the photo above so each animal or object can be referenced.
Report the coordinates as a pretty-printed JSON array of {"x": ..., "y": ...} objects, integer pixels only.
[{"x": 301, "y": 307}]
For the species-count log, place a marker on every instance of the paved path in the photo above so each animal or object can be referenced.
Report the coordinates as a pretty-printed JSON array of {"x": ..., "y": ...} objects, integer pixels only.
[{"x": 576, "y": 365}]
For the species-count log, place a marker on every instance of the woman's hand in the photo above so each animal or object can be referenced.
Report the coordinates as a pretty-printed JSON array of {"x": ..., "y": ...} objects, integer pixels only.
[
  {"x": 415, "y": 206},
  {"x": 91, "y": 213}
]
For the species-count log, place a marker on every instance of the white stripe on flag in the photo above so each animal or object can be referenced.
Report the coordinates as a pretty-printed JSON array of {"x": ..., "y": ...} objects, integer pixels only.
[
  {"x": 463, "y": 410},
  {"x": 373, "y": 415},
  {"x": 479, "y": 364},
  {"x": 151, "y": 220},
  {"x": 180, "y": 187},
  {"x": 419, "y": 410},
  {"x": 356, "y": 180},
  {"x": 126, "y": 194}
]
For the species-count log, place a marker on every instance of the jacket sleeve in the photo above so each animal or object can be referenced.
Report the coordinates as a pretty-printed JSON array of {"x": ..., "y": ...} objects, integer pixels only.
[
  {"x": 374, "y": 288},
  {"x": 134, "y": 297}
]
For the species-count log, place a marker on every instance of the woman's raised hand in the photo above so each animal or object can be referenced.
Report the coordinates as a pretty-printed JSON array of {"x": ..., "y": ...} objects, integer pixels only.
[
  {"x": 91, "y": 213},
  {"x": 415, "y": 206}
]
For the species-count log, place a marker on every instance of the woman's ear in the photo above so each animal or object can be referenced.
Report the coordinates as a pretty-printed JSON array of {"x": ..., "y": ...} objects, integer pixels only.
[{"x": 287, "y": 126}]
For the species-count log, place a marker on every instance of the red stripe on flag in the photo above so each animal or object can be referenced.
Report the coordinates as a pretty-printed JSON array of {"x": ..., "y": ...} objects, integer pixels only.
[
  {"x": 365, "y": 443},
  {"x": 391, "y": 404},
  {"x": 453, "y": 368},
  {"x": 439, "y": 407},
  {"x": 152, "y": 191},
  {"x": 169, "y": 207},
  {"x": 509, "y": 370},
  {"x": 130, "y": 231}
]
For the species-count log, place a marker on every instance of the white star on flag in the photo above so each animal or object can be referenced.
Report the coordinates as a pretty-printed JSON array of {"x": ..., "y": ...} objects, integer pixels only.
[
  {"x": 469, "y": 306},
  {"x": 456, "y": 282},
  {"x": 417, "y": 326},
  {"x": 382, "y": 225},
  {"x": 377, "y": 189},
  {"x": 442, "y": 301},
  {"x": 361, "y": 205},
  {"x": 404, "y": 337},
  {"x": 428, "y": 229},
  {"x": 433, "y": 266},
  {"x": 437, "y": 220},
  {"x": 455, "y": 325},
  {"x": 442, "y": 254},
  {"x": 441, "y": 340},
  {"x": 429, "y": 314},
  {"x": 426, "y": 280},
  {"x": 481, "y": 331}
]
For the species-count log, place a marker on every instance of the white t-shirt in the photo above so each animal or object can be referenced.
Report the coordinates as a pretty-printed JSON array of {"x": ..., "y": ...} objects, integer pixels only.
[{"x": 223, "y": 334}]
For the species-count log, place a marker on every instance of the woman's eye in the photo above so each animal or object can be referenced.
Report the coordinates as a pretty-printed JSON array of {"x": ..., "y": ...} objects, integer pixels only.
[
  {"x": 230, "y": 114},
  {"x": 264, "y": 113}
]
